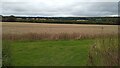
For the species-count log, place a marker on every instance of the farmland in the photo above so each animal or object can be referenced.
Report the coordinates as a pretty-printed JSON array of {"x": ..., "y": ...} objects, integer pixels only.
[
  {"x": 57, "y": 28},
  {"x": 42, "y": 44}
]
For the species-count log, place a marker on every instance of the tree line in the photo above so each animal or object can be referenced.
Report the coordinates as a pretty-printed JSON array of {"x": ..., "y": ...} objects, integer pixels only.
[{"x": 63, "y": 20}]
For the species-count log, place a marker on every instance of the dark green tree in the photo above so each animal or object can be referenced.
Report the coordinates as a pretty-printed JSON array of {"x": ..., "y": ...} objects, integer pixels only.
[{"x": 11, "y": 18}]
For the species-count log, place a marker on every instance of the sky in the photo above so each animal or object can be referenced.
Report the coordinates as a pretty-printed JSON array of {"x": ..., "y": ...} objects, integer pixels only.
[{"x": 59, "y": 8}]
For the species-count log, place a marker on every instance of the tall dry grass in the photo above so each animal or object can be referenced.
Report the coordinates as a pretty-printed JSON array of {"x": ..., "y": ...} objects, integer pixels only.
[
  {"x": 104, "y": 52},
  {"x": 49, "y": 36}
]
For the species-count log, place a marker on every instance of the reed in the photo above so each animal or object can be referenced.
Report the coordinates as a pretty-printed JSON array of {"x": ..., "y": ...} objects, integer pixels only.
[
  {"x": 104, "y": 52},
  {"x": 49, "y": 36}
]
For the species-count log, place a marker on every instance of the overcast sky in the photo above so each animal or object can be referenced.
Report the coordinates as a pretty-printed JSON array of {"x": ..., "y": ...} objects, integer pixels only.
[{"x": 59, "y": 8}]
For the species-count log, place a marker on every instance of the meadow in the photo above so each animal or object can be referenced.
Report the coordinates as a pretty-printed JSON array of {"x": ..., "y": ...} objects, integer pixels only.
[
  {"x": 33, "y": 44},
  {"x": 49, "y": 53},
  {"x": 0, "y": 44}
]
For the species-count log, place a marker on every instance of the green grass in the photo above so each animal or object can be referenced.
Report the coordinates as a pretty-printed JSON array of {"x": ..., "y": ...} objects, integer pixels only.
[
  {"x": 49, "y": 53},
  {"x": 0, "y": 53}
]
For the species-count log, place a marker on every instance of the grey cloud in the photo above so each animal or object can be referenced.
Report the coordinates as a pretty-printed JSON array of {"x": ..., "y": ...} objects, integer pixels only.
[
  {"x": 72, "y": 9},
  {"x": 98, "y": 9}
]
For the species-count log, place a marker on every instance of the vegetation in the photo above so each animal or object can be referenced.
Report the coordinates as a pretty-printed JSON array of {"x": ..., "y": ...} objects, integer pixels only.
[
  {"x": 101, "y": 51},
  {"x": 0, "y": 52},
  {"x": 48, "y": 36},
  {"x": 6, "y": 54},
  {"x": 48, "y": 53},
  {"x": 104, "y": 52},
  {"x": 62, "y": 49},
  {"x": 63, "y": 20}
]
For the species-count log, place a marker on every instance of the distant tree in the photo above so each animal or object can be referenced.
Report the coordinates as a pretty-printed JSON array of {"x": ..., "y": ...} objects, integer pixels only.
[
  {"x": 11, "y": 18},
  {"x": 0, "y": 18}
]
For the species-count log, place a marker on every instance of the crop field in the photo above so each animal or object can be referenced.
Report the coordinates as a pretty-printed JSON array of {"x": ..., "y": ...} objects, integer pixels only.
[
  {"x": 57, "y": 28},
  {"x": 42, "y": 44}
]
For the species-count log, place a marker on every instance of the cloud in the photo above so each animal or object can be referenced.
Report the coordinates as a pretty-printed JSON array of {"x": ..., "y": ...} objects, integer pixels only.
[
  {"x": 59, "y": 0},
  {"x": 59, "y": 8},
  {"x": 98, "y": 9}
]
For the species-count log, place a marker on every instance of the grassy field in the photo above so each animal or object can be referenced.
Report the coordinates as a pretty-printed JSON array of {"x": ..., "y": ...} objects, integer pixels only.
[
  {"x": 49, "y": 53},
  {"x": 0, "y": 52},
  {"x": 0, "y": 44},
  {"x": 33, "y": 44}
]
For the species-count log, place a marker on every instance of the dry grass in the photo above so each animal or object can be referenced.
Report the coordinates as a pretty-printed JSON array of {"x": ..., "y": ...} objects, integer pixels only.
[
  {"x": 48, "y": 36},
  {"x": 104, "y": 52},
  {"x": 41, "y": 31},
  {"x": 20, "y": 28}
]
